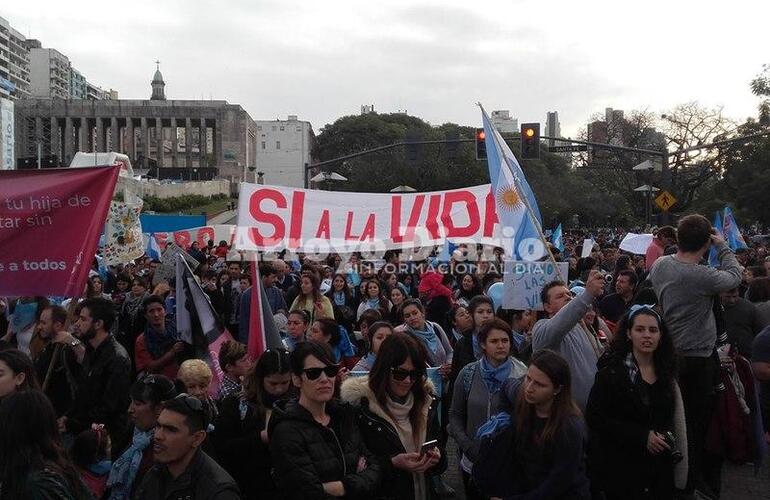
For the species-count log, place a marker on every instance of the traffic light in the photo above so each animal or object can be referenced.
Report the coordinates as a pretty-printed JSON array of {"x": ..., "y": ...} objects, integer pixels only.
[
  {"x": 481, "y": 145},
  {"x": 530, "y": 141}
]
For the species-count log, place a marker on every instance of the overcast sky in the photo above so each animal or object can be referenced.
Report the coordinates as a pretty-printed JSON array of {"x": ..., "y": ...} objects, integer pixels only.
[{"x": 323, "y": 59}]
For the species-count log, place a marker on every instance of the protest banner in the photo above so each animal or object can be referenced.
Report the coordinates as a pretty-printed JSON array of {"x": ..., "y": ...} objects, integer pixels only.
[
  {"x": 166, "y": 271},
  {"x": 50, "y": 222},
  {"x": 272, "y": 218},
  {"x": 525, "y": 280},
  {"x": 123, "y": 233},
  {"x": 203, "y": 234}
]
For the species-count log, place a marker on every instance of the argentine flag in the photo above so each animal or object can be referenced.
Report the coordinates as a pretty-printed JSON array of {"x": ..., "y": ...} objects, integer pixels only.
[
  {"x": 713, "y": 258},
  {"x": 556, "y": 238},
  {"x": 731, "y": 231},
  {"x": 153, "y": 249},
  {"x": 510, "y": 188}
]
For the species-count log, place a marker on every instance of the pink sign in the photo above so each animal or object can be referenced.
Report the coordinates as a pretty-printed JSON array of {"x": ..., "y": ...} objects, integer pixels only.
[{"x": 50, "y": 223}]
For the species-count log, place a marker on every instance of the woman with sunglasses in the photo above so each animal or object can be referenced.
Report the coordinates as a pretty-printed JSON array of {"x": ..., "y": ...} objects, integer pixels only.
[
  {"x": 317, "y": 448},
  {"x": 635, "y": 413},
  {"x": 398, "y": 415},
  {"x": 477, "y": 393},
  {"x": 240, "y": 435}
]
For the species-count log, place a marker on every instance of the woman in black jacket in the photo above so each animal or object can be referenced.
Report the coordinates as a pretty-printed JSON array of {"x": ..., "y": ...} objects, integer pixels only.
[
  {"x": 635, "y": 413},
  {"x": 398, "y": 415},
  {"x": 318, "y": 451},
  {"x": 240, "y": 435}
]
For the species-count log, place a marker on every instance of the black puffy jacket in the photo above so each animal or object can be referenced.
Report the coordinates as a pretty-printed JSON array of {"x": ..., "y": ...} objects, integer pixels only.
[
  {"x": 383, "y": 440},
  {"x": 307, "y": 454}
]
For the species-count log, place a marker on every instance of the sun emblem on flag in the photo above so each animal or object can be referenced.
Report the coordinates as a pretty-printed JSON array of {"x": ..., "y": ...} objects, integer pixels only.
[{"x": 508, "y": 198}]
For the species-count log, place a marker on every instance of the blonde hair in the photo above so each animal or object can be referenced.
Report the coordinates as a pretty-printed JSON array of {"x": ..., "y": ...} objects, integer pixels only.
[{"x": 195, "y": 370}]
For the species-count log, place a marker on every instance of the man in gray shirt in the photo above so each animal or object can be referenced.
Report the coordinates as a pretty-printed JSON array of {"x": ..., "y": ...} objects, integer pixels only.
[
  {"x": 686, "y": 291},
  {"x": 565, "y": 332}
]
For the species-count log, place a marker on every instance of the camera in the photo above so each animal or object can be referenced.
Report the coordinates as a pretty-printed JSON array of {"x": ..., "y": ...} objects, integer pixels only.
[
  {"x": 676, "y": 455},
  {"x": 608, "y": 278}
]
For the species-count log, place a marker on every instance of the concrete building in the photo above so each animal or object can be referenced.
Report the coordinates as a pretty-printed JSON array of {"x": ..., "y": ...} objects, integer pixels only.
[
  {"x": 78, "y": 85},
  {"x": 283, "y": 149},
  {"x": 162, "y": 133},
  {"x": 503, "y": 121},
  {"x": 14, "y": 63},
  {"x": 552, "y": 127},
  {"x": 49, "y": 71}
]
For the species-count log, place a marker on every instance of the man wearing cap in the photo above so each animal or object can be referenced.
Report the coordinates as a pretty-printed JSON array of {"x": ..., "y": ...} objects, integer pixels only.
[{"x": 182, "y": 469}]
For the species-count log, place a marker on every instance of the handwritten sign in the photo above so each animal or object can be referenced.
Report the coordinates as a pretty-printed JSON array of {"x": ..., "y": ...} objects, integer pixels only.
[{"x": 525, "y": 280}]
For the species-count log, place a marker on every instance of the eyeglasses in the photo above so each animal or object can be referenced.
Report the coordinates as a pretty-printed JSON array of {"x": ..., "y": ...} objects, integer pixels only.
[
  {"x": 331, "y": 371},
  {"x": 191, "y": 402},
  {"x": 400, "y": 374}
]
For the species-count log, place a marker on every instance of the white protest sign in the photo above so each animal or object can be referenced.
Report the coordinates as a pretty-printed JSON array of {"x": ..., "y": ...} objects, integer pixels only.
[
  {"x": 588, "y": 245},
  {"x": 636, "y": 243},
  {"x": 525, "y": 280}
]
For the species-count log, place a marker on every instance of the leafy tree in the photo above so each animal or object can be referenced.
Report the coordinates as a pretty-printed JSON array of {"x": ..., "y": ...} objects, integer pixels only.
[
  {"x": 747, "y": 176},
  {"x": 760, "y": 87}
]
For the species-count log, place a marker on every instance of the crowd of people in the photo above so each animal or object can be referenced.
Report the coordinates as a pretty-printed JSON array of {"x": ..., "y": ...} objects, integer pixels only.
[{"x": 639, "y": 377}]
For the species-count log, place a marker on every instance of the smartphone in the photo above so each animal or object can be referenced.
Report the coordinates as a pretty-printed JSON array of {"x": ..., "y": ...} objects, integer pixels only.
[{"x": 427, "y": 445}]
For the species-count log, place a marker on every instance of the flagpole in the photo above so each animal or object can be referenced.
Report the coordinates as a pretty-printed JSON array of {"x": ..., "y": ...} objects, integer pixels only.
[{"x": 530, "y": 212}]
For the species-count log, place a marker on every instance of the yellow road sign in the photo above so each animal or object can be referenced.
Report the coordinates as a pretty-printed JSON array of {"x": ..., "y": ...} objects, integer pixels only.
[{"x": 665, "y": 200}]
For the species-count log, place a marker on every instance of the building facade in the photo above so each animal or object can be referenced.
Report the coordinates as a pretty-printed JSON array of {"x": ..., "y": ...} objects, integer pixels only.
[
  {"x": 78, "y": 85},
  {"x": 504, "y": 122},
  {"x": 283, "y": 149},
  {"x": 552, "y": 127},
  {"x": 49, "y": 71},
  {"x": 14, "y": 63}
]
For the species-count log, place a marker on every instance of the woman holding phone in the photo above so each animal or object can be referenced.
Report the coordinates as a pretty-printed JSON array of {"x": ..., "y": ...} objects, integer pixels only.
[{"x": 398, "y": 418}]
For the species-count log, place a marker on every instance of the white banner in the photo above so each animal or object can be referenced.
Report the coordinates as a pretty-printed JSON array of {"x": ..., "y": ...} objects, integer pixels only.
[
  {"x": 273, "y": 218},
  {"x": 123, "y": 233},
  {"x": 636, "y": 243},
  {"x": 525, "y": 280},
  {"x": 186, "y": 237},
  {"x": 7, "y": 161}
]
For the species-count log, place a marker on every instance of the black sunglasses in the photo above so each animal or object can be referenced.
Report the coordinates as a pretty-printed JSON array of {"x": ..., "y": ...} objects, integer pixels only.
[
  {"x": 331, "y": 371},
  {"x": 191, "y": 402},
  {"x": 400, "y": 374}
]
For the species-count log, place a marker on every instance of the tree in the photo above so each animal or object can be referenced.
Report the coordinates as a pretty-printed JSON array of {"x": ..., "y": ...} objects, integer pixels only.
[
  {"x": 747, "y": 176},
  {"x": 760, "y": 87}
]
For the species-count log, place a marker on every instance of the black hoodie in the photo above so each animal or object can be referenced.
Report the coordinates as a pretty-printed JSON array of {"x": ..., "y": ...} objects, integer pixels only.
[{"x": 307, "y": 454}]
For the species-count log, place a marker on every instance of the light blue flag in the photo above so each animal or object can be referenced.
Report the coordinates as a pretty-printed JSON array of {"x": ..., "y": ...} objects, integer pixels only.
[
  {"x": 731, "y": 231},
  {"x": 556, "y": 238},
  {"x": 713, "y": 258},
  {"x": 153, "y": 249},
  {"x": 511, "y": 189},
  {"x": 446, "y": 252}
]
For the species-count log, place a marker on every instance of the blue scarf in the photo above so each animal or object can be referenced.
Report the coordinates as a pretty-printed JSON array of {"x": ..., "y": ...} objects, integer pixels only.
[
  {"x": 373, "y": 303},
  {"x": 428, "y": 336},
  {"x": 369, "y": 360},
  {"x": 100, "y": 468},
  {"x": 494, "y": 377},
  {"x": 23, "y": 316},
  {"x": 126, "y": 466},
  {"x": 339, "y": 298},
  {"x": 159, "y": 344}
]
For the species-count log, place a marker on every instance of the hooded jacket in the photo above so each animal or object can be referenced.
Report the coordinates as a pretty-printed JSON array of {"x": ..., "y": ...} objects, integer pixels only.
[
  {"x": 307, "y": 454},
  {"x": 381, "y": 437}
]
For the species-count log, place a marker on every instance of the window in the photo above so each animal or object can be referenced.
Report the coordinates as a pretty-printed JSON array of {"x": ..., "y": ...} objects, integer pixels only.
[
  {"x": 282, "y": 128},
  {"x": 259, "y": 127},
  {"x": 299, "y": 129},
  {"x": 277, "y": 144},
  {"x": 263, "y": 144}
]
